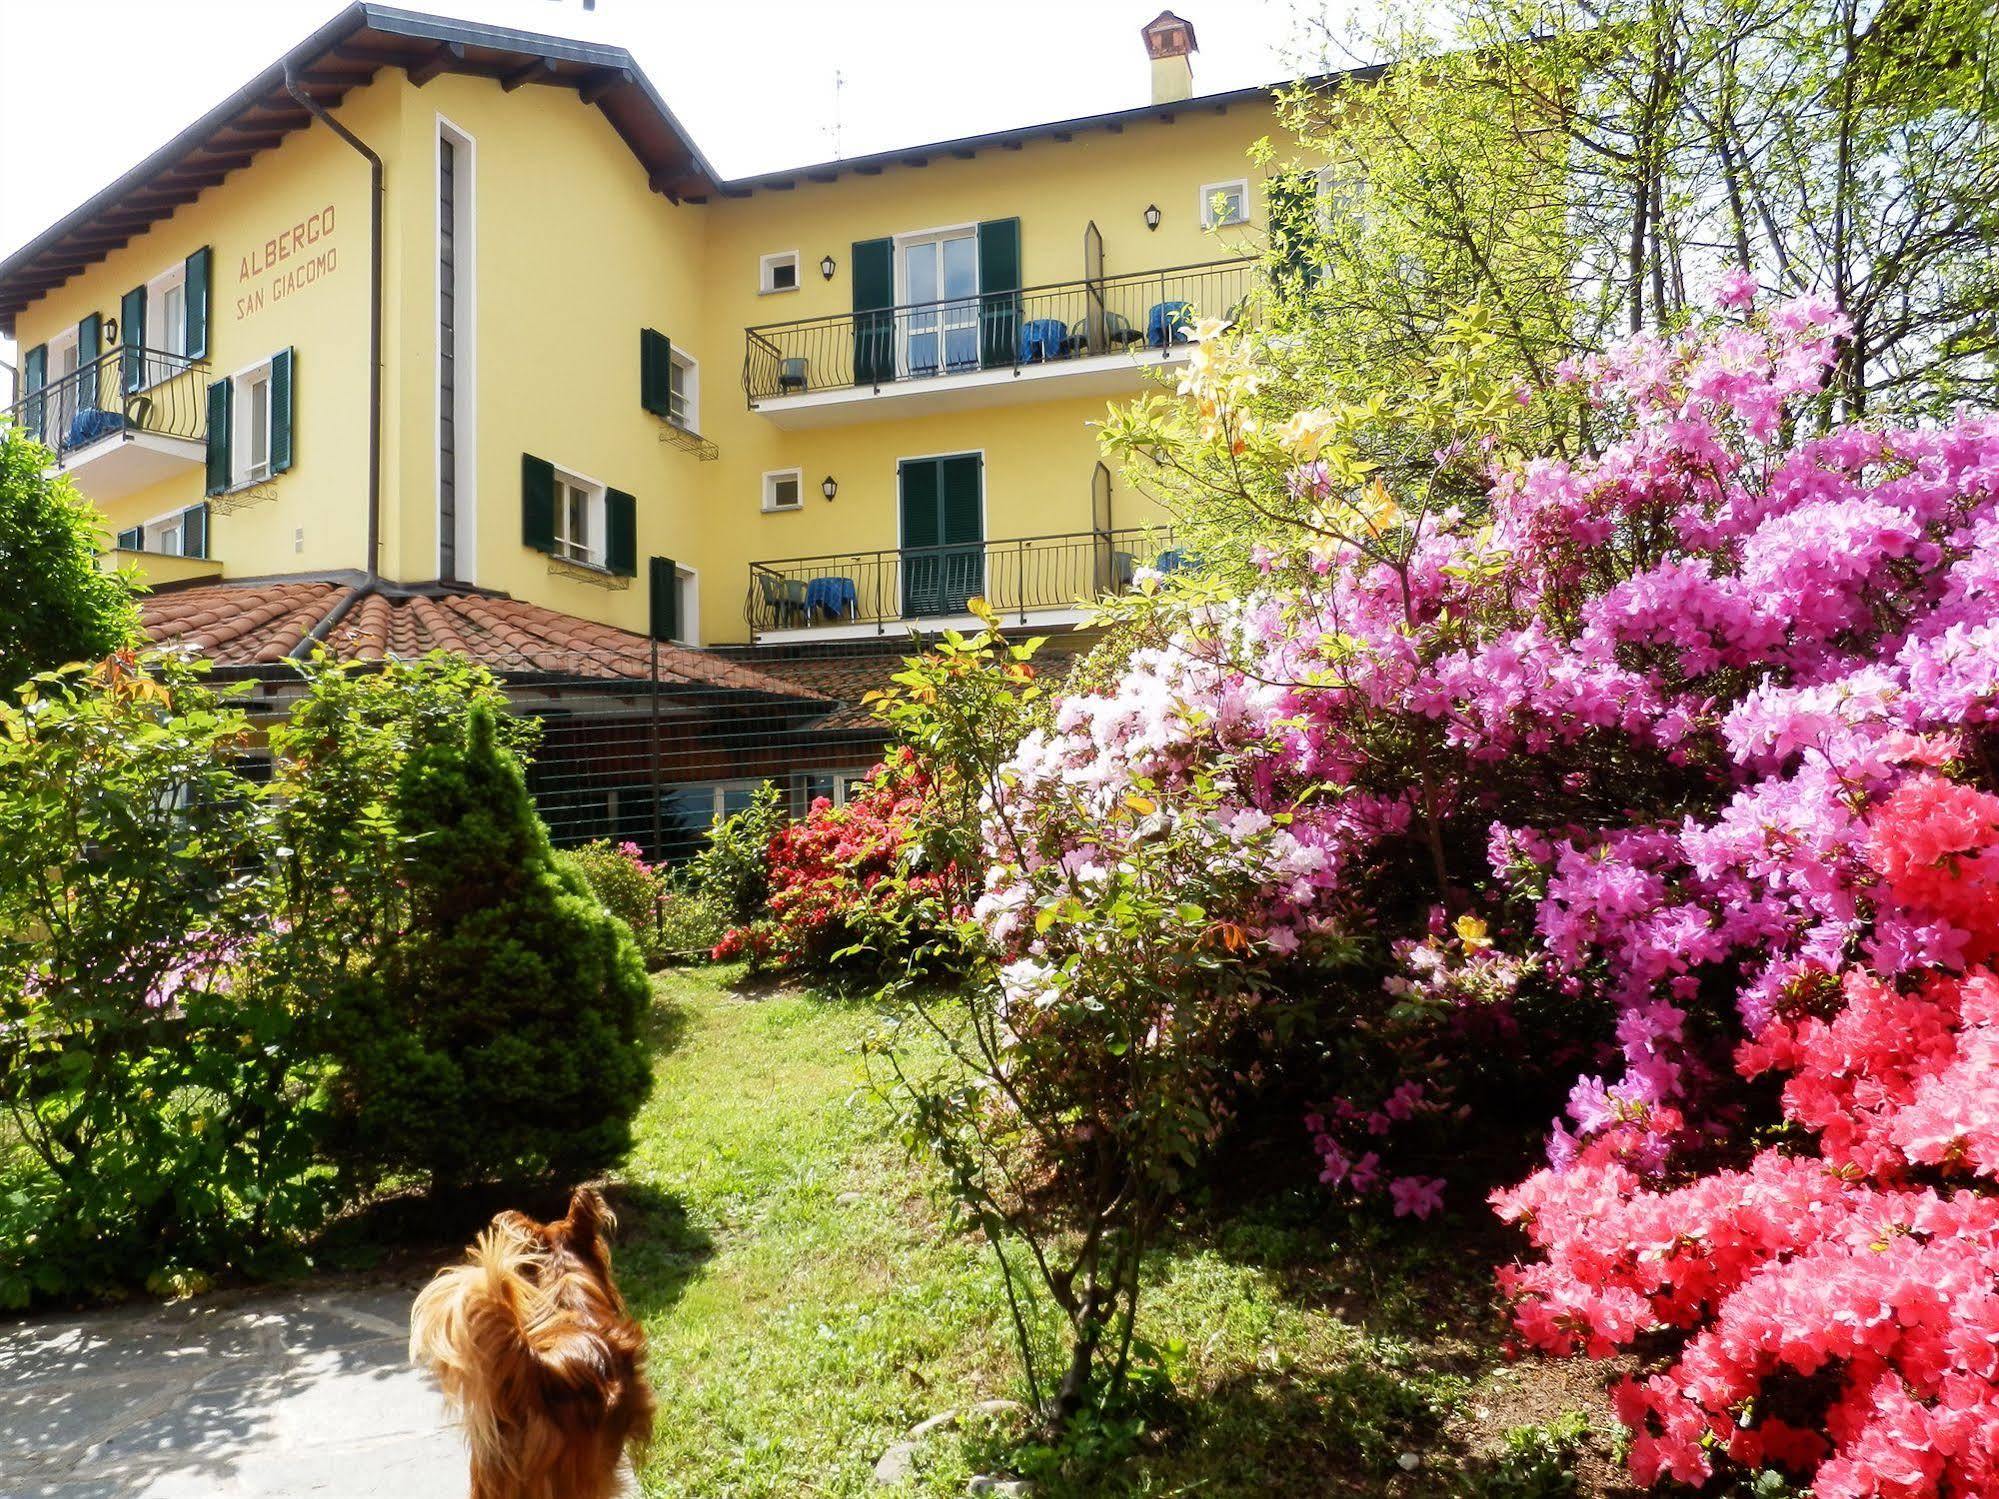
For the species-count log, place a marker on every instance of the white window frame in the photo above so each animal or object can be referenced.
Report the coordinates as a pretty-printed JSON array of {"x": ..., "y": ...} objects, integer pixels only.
[
  {"x": 689, "y": 417},
  {"x": 241, "y": 470},
  {"x": 57, "y": 410},
  {"x": 175, "y": 520},
  {"x": 689, "y": 588},
  {"x": 844, "y": 780},
  {"x": 172, "y": 279},
  {"x": 772, "y": 479},
  {"x": 1236, "y": 185},
  {"x": 1342, "y": 191},
  {"x": 591, "y": 553},
  {"x": 467, "y": 373},
  {"x": 952, "y": 314},
  {"x": 768, "y": 264}
]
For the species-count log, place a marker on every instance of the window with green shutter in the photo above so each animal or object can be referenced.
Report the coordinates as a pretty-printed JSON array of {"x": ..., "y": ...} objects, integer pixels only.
[
  {"x": 89, "y": 344},
  {"x": 132, "y": 337},
  {"x": 283, "y": 403},
  {"x": 194, "y": 531},
  {"x": 34, "y": 378},
  {"x": 621, "y": 533},
  {"x": 195, "y": 304},
  {"x": 874, "y": 318},
  {"x": 663, "y": 589},
  {"x": 999, "y": 291},
  {"x": 655, "y": 372},
  {"x": 219, "y": 474},
  {"x": 537, "y": 503},
  {"x": 943, "y": 533}
]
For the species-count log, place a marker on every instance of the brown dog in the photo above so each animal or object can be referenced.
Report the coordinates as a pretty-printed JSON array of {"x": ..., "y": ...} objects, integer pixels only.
[{"x": 538, "y": 1356}]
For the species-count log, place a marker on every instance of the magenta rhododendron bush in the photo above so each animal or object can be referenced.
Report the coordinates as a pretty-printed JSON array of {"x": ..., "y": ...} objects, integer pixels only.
[{"x": 1689, "y": 731}]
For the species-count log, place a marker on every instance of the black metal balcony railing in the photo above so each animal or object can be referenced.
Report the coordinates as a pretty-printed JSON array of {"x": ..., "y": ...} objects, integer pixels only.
[
  {"x": 126, "y": 390},
  {"x": 886, "y": 588},
  {"x": 1146, "y": 311}
]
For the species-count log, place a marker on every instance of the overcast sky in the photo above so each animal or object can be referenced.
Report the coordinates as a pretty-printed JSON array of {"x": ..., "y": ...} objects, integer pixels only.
[{"x": 88, "y": 87}]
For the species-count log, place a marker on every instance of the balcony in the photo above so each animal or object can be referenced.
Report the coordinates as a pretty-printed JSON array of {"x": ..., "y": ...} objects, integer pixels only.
[
  {"x": 1030, "y": 580},
  {"x": 1073, "y": 338},
  {"x": 123, "y": 422},
  {"x": 161, "y": 569}
]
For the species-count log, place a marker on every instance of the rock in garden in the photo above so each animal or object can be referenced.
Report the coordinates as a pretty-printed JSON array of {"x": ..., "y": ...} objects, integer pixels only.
[
  {"x": 942, "y": 1421},
  {"x": 898, "y": 1464},
  {"x": 993, "y": 1410},
  {"x": 1000, "y": 1487},
  {"x": 1408, "y": 1462}
]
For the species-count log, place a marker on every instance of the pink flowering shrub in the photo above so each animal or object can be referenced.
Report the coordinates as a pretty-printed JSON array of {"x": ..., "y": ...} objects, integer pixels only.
[
  {"x": 1698, "y": 715},
  {"x": 1834, "y": 1310}
]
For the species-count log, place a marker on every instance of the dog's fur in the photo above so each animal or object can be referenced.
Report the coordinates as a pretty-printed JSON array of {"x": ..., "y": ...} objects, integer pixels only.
[{"x": 538, "y": 1356}]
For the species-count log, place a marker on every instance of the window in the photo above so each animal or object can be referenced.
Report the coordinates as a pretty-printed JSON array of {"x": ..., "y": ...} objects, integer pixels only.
[
  {"x": 181, "y": 533},
  {"x": 837, "y": 786},
  {"x": 579, "y": 520},
  {"x": 166, "y": 321},
  {"x": 784, "y": 489},
  {"x": 777, "y": 273},
  {"x": 1224, "y": 203},
  {"x": 683, "y": 393},
  {"x": 938, "y": 286},
  {"x": 251, "y": 418},
  {"x": 1342, "y": 193}
]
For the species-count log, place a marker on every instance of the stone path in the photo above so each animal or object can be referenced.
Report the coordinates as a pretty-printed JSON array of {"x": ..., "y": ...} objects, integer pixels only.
[{"x": 269, "y": 1395}]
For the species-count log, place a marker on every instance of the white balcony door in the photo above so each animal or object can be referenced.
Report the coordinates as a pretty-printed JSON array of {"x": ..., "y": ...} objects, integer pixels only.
[{"x": 939, "y": 285}]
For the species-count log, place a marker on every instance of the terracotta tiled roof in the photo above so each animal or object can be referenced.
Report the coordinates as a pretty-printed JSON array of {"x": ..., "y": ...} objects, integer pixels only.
[
  {"x": 260, "y": 624},
  {"x": 849, "y": 672}
]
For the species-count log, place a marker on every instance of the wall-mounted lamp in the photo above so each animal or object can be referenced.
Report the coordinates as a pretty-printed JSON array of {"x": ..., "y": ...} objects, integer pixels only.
[
  {"x": 827, "y": 487},
  {"x": 826, "y": 267},
  {"x": 1152, "y": 215}
]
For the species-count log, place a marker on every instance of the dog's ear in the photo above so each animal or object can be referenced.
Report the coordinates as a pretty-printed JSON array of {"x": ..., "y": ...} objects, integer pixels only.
[{"x": 590, "y": 1217}]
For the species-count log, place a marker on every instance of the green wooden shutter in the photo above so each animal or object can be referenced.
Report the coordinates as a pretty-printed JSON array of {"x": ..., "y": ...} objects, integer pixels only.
[
  {"x": 195, "y": 300},
  {"x": 34, "y": 376},
  {"x": 194, "y": 531},
  {"x": 664, "y": 580},
  {"x": 218, "y": 436},
  {"x": 874, "y": 321},
  {"x": 999, "y": 292},
  {"x": 621, "y": 533},
  {"x": 921, "y": 482},
  {"x": 537, "y": 503},
  {"x": 283, "y": 404},
  {"x": 89, "y": 344},
  {"x": 655, "y": 372},
  {"x": 132, "y": 331},
  {"x": 961, "y": 524},
  {"x": 132, "y": 539}
]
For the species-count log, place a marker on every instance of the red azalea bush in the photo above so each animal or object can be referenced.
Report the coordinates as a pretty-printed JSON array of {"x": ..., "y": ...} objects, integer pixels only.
[
  {"x": 1835, "y": 1311},
  {"x": 845, "y": 894}
]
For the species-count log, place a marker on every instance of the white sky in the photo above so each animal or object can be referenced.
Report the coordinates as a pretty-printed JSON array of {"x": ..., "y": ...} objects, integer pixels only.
[{"x": 88, "y": 87}]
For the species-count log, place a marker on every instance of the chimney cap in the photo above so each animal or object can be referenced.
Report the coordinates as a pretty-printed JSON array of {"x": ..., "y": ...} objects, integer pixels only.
[{"x": 1168, "y": 35}]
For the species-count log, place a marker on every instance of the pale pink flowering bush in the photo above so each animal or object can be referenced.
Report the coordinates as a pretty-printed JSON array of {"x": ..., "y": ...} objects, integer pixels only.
[{"x": 1666, "y": 711}]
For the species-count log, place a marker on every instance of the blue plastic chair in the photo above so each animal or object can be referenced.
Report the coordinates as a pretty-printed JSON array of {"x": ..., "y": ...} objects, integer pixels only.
[
  {"x": 1177, "y": 561},
  {"x": 1042, "y": 339},
  {"x": 1168, "y": 322}
]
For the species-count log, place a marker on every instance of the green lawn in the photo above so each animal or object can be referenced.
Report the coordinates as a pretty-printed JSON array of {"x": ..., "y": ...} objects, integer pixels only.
[{"x": 806, "y": 1307}]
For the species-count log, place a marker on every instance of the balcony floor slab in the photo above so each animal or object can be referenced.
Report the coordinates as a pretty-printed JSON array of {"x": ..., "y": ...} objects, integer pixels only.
[
  {"x": 129, "y": 461},
  {"x": 1103, "y": 374}
]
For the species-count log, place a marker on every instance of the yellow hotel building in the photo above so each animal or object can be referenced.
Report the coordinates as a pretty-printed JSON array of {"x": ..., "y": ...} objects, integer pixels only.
[
  {"x": 875, "y": 375},
  {"x": 438, "y": 317}
]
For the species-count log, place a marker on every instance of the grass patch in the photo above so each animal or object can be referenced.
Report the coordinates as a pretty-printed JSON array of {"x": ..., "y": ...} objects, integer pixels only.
[{"x": 806, "y": 1307}]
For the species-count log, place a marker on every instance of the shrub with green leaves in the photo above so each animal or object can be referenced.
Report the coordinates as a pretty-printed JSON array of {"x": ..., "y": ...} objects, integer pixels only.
[
  {"x": 499, "y": 1035},
  {"x": 57, "y": 605},
  {"x": 732, "y": 871},
  {"x": 631, "y": 890},
  {"x": 155, "y": 1063}
]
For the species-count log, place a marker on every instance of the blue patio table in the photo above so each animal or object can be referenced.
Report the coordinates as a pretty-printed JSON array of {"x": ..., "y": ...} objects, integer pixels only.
[
  {"x": 837, "y": 598},
  {"x": 1168, "y": 322},
  {"x": 1042, "y": 339}
]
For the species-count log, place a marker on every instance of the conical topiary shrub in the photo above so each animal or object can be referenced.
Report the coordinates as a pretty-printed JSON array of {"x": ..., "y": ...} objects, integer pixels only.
[{"x": 499, "y": 1035}]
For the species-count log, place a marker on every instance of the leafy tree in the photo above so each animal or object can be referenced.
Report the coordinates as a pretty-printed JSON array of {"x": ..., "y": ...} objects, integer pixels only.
[
  {"x": 499, "y": 1035},
  {"x": 1594, "y": 181},
  {"x": 56, "y": 604}
]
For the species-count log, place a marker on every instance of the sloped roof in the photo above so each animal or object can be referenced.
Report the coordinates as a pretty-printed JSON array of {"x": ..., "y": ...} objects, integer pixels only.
[
  {"x": 342, "y": 55},
  {"x": 261, "y": 624}
]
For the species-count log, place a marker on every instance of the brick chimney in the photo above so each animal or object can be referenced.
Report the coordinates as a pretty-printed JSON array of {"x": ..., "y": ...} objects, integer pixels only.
[{"x": 1169, "y": 42}]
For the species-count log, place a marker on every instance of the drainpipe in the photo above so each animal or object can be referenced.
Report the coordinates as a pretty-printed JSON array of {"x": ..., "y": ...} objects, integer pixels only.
[{"x": 318, "y": 111}]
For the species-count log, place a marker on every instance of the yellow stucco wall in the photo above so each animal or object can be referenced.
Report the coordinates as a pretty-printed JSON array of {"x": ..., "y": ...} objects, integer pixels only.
[
  {"x": 316, "y": 518},
  {"x": 572, "y": 256}
]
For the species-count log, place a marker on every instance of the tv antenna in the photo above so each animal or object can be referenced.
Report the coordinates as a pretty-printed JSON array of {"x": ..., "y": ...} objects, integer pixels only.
[{"x": 833, "y": 130}]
